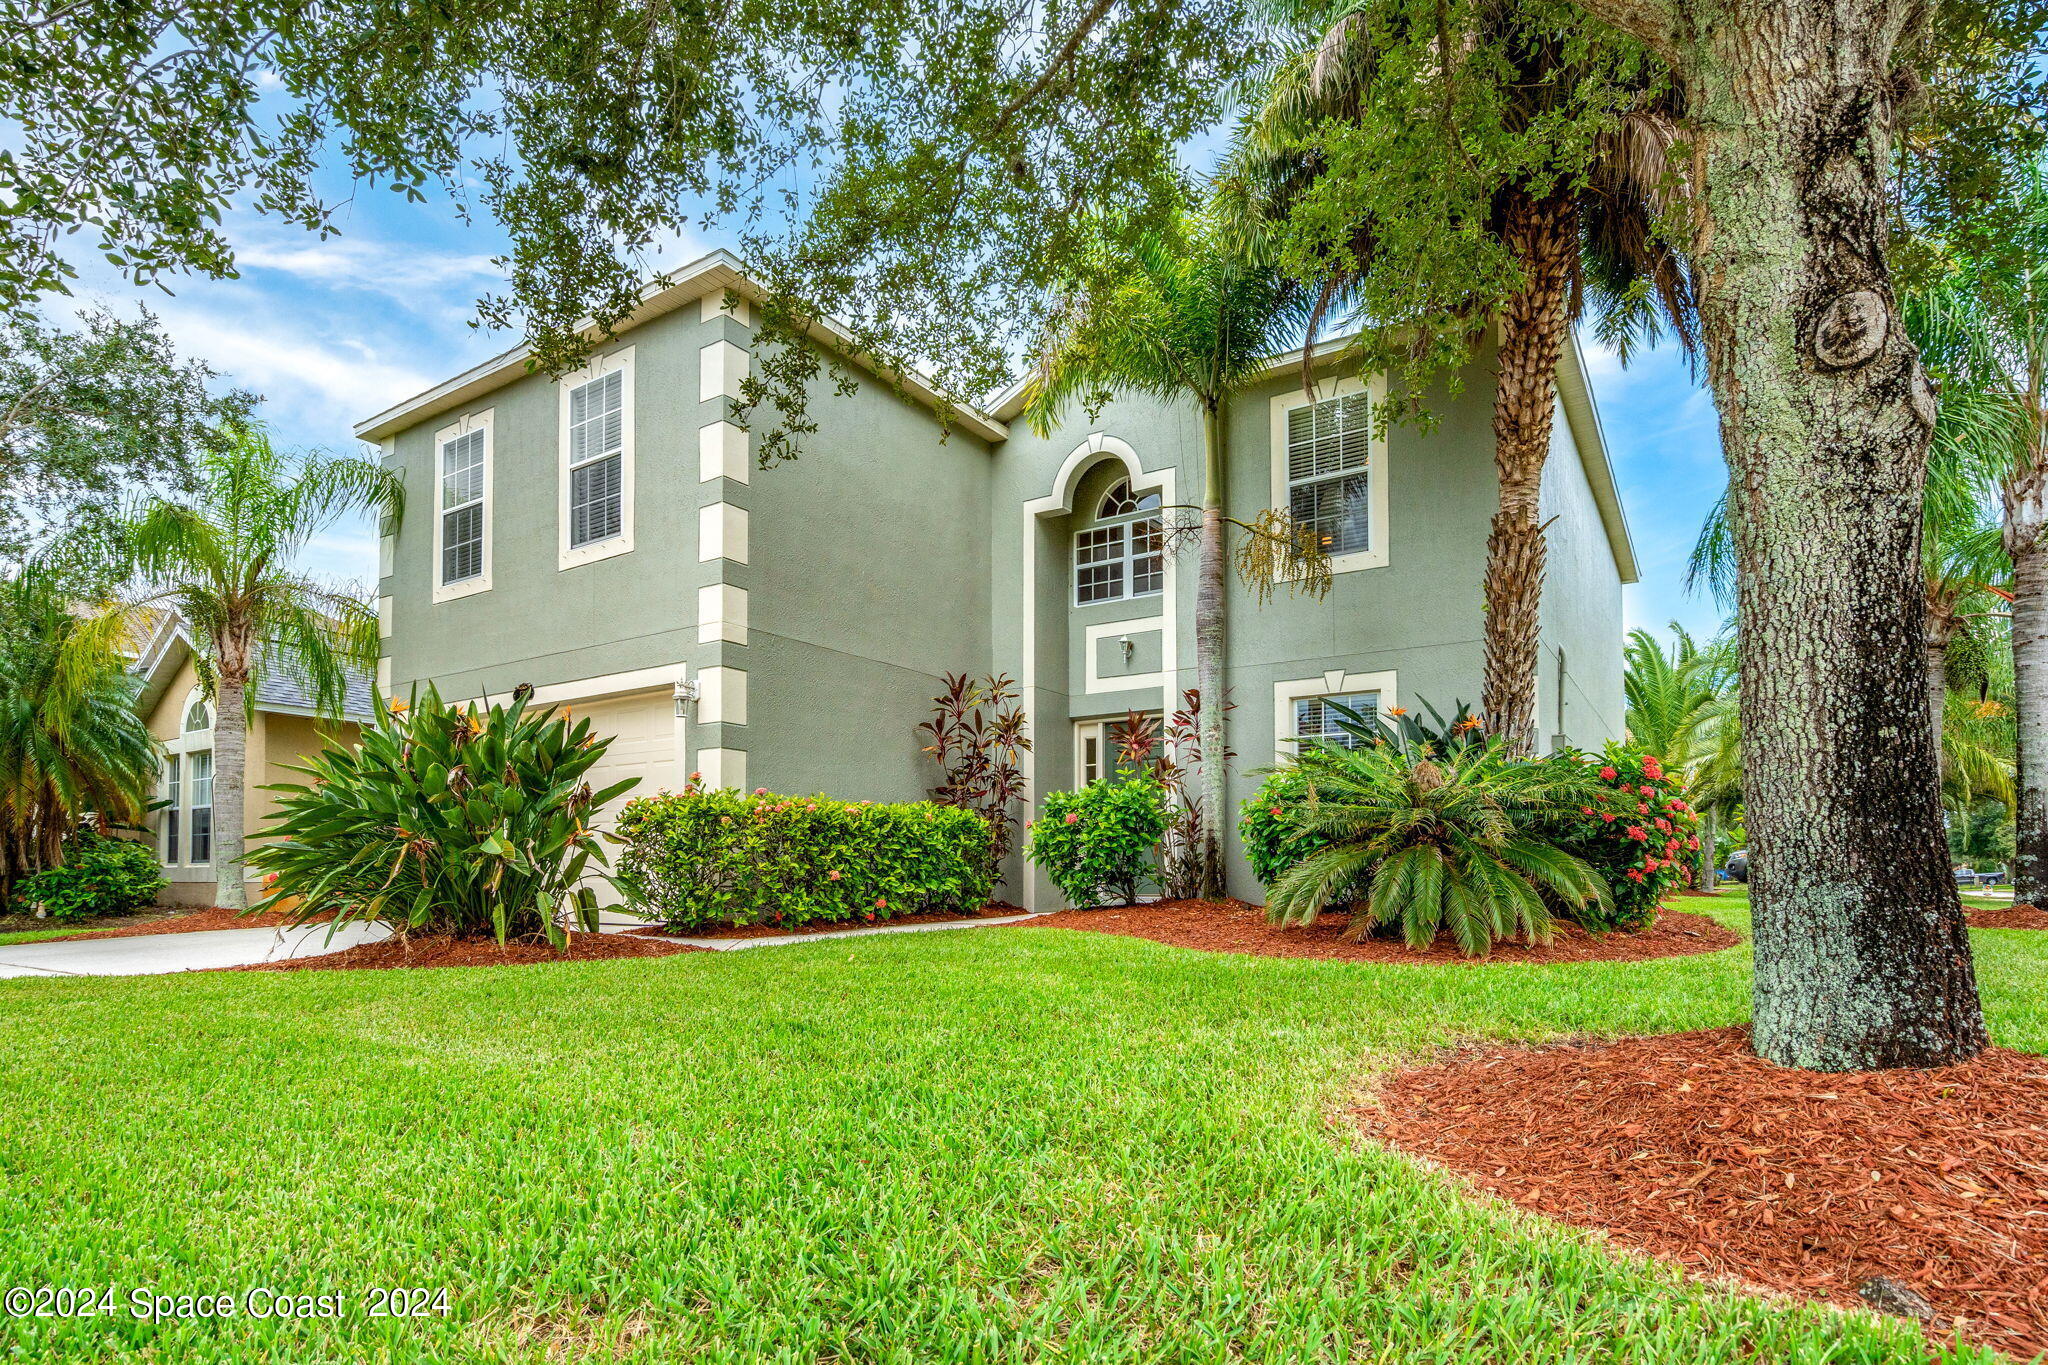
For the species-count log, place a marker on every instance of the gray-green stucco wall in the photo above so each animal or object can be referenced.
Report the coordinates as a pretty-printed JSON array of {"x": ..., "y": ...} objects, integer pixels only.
[{"x": 1581, "y": 615}]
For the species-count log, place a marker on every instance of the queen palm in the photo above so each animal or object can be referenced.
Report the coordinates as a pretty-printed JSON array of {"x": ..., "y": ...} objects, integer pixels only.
[
  {"x": 71, "y": 740},
  {"x": 1566, "y": 197},
  {"x": 1983, "y": 330},
  {"x": 226, "y": 563},
  {"x": 1187, "y": 313}
]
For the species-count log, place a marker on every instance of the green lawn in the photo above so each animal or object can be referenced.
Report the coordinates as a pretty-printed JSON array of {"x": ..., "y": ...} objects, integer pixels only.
[
  {"x": 37, "y": 935},
  {"x": 995, "y": 1145}
]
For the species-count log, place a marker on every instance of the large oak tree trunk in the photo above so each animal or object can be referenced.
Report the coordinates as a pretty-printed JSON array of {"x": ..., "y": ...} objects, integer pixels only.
[
  {"x": 1862, "y": 959},
  {"x": 1543, "y": 235},
  {"x": 2030, "y": 715},
  {"x": 1209, "y": 641}
]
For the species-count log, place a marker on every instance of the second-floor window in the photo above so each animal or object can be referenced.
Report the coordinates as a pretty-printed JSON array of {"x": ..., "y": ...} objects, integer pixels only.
[
  {"x": 597, "y": 460},
  {"x": 1329, "y": 462},
  {"x": 462, "y": 508},
  {"x": 1124, "y": 557}
]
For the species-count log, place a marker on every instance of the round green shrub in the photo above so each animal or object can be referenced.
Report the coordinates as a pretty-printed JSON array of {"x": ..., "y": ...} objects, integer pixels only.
[
  {"x": 702, "y": 858},
  {"x": 1269, "y": 826},
  {"x": 1100, "y": 845},
  {"x": 99, "y": 876}
]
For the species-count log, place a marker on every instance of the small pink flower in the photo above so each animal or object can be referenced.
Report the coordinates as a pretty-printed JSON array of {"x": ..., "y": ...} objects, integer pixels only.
[
  {"x": 833, "y": 875},
  {"x": 1274, "y": 812},
  {"x": 1636, "y": 832},
  {"x": 696, "y": 777},
  {"x": 1585, "y": 810},
  {"x": 1073, "y": 819},
  {"x": 1608, "y": 816},
  {"x": 881, "y": 904},
  {"x": 1647, "y": 790},
  {"x": 760, "y": 791},
  {"x": 1607, "y": 773}
]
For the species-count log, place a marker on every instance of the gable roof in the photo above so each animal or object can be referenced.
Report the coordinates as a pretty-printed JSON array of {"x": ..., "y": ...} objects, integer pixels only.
[
  {"x": 280, "y": 688},
  {"x": 711, "y": 274}
]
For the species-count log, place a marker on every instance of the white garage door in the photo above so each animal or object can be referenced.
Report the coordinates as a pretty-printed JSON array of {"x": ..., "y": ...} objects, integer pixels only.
[{"x": 643, "y": 734}]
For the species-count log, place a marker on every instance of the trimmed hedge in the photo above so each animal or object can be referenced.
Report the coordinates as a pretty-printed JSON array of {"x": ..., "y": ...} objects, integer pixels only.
[{"x": 704, "y": 858}]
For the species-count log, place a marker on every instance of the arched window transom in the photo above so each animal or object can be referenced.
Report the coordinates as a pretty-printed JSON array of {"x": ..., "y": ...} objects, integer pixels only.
[
  {"x": 198, "y": 716},
  {"x": 1120, "y": 502}
]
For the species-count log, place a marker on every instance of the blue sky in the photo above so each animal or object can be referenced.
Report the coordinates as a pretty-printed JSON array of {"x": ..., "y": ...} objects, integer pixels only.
[{"x": 331, "y": 332}]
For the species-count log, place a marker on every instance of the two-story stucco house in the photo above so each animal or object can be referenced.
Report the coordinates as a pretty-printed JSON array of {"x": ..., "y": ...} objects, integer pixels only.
[{"x": 607, "y": 537}]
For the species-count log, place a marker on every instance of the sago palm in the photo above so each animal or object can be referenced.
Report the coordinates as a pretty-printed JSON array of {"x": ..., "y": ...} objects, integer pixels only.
[
  {"x": 71, "y": 741},
  {"x": 1533, "y": 232},
  {"x": 1982, "y": 326},
  {"x": 226, "y": 562},
  {"x": 1444, "y": 846},
  {"x": 1187, "y": 315}
]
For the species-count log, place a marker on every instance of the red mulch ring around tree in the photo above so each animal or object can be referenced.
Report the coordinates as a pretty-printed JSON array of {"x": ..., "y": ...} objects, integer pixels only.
[
  {"x": 2021, "y": 916},
  {"x": 191, "y": 922},
  {"x": 1693, "y": 1148},
  {"x": 438, "y": 950},
  {"x": 1236, "y": 927},
  {"x": 995, "y": 911}
]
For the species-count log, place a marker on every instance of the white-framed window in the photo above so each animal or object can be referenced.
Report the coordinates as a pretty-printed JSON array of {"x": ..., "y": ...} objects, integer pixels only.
[
  {"x": 1124, "y": 558},
  {"x": 596, "y": 499},
  {"x": 1329, "y": 470},
  {"x": 1301, "y": 711},
  {"x": 198, "y": 715},
  {"x": 199, "y": 812},
  {"x": 462, "y": 507},
  {"x": 1314, "y": 719},
  {"x": 171, "y": 799}
]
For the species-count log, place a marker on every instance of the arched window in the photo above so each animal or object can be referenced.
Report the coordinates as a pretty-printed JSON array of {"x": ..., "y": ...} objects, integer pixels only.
[
  {"x": 198, "y": 716},
  {"x": 1119, "y": 502},
  {"x": 1121, "y": 559}
]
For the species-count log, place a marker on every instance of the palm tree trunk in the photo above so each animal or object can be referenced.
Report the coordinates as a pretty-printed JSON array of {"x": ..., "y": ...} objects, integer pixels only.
[
  {"x": 2030, "y": 714},
  {"x": 1709, "y": 840},
  {"x": 230, "y": 764},
  {"x": 1542, "y": 234},
  {"x": 1209, "y": 642},
  {"x": 1935, "y": 649}
]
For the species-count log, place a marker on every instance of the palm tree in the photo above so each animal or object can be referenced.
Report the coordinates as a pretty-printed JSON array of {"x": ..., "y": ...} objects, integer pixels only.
[
  {"x": 71, "y": 740},
  {"x": 1187, "y": 313},
  {"x": 1682, "y": 707},
  {"x": 225, "y": 563},
  {"x": 1445, "y": 845},
  {"x": 1982, "y": 328},
  {"x": 1581, "y": 217}
]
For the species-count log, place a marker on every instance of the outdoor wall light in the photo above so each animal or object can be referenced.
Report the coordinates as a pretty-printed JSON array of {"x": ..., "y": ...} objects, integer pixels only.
[{"x": 686, "y": 692}]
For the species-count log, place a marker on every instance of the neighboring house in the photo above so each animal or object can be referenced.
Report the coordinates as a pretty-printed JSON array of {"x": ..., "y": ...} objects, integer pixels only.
[
  {"x": 287, "y": 728},
  {"x": 607, "y": 537}
]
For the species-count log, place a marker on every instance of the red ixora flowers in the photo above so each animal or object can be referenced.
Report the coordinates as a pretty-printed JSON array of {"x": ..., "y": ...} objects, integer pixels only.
[
  {"x": 1073, "y": 819},
  {"x": 1608, "y": 816},
  {"x": 1636, "y": 832},
  {"x": 1608, "y": 773},
  {"x": 1663, "y": 824},
  {"x": 1634, "y": 875}
]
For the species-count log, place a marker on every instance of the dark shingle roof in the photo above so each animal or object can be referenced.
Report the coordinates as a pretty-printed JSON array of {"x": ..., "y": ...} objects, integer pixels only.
[{"x": 286, "y": 686}]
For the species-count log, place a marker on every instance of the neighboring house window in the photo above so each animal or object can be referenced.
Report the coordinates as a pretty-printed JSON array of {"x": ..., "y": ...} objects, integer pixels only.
[
  {"x": 597, "y": 459},
  {"x": 200, "y": 812},
  {"x": 1123, "y": 558},
  {"x": 462, "y": 508},
  {"x": 171, "y": 808},
  {"x": 1313, "y": 718},
  {"x": 1329, "y": 461},
  {"x": 198, "y": 717}
]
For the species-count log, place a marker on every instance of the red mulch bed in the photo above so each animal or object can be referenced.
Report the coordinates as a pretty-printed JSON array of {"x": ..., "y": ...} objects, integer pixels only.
[
  {"x": 1691, "y": 1147},
  {"x": 2021, "y": 916},
  {"x": 1236, "y": 927},
  {"x": 424, "y": 950},
  {"x": 996, "y": 911},
  {"x": 192, "y": 922}
]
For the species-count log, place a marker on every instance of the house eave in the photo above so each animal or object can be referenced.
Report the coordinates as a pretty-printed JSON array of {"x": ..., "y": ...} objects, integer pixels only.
[{"x": 718, "y": 272}]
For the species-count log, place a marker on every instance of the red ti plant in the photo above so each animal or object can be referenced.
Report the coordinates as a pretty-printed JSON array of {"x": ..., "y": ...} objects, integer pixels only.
[
  {"x": 1174, "y": 753},
  {"x": 977, "y": 739}
]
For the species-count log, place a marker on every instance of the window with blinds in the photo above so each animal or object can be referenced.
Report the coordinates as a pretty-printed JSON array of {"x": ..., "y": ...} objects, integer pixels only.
[
  {"x": 1314, "y": 718},
  {"x": 1329, "y": 456},
  {"x": 597, "y": 462},
  {"x": 200, "y": 811},
  {"x": 171, "y": 809},
  {"x": 462, "y": 507}
]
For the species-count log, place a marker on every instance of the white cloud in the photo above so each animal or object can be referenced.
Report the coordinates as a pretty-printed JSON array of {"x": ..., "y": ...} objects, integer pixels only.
[{"x": 418, "y": 277}]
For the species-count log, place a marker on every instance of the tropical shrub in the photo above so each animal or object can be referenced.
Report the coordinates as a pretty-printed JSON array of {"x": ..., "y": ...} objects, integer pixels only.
[
  {"x": 1100, "y": 844},
  {"x": 978, "y": 739},
  {"x": 99, "y": 876},
  {"x": 1453, "y": 846},
  {"x": 698, "y": 858},
  {"x": 446, "y": 819},
  {"x": 1270, "y": 827},
  {"x": 1635, "y": 828},
  {"x": 1173, "y": 751}
]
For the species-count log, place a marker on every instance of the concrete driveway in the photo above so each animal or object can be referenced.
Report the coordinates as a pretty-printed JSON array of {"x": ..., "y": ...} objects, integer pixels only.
[{"x": 156, "y": 954}]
